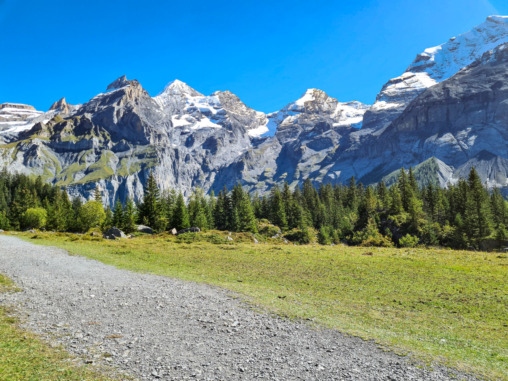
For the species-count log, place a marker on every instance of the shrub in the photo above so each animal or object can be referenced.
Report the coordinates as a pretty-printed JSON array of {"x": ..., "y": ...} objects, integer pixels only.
[
  {"x": 35, "y": 218},
  {"x": 301, "y": 236},
  {"x": 408, "y": 241},
  {"x": 370, "y": 236},
  {"x": 324, "y": 237},
  {"x": 267, "y": 229}
]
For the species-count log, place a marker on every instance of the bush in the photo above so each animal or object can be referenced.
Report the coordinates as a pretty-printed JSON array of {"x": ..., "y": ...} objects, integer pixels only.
[
  {"x": 301, "y": 236},
  {"x": 324, "y": 237},
  {"x": 370, "y": 236},
  {"x": 267, "y": 229},
  {"x": 408, "y": 241},
  {"x": 35, "y": 218}
]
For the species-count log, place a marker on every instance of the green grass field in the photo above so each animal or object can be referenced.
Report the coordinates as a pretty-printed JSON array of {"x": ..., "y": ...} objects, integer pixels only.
[
  {"x": 25, "y": 357},
  {"x": 444, "y": 306}
]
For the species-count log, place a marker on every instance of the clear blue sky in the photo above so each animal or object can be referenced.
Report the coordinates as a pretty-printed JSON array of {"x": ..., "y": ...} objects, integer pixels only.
[{"x": 268, "y": 52}]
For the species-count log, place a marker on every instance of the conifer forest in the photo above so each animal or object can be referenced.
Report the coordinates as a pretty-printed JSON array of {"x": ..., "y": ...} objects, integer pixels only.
[{"x": 460, "y": 216}]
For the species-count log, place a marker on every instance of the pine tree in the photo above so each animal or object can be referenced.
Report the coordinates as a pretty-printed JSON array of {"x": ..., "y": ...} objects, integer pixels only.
[
  {"x": 180, "y": 214},
  {"x": 477, "y": 218},
  {"x": 118, "y": 217},
  {"x": 197, "y": 209},
  {"x": 129, "y": 216},
  {"x": 97, "y": 194},
  {"x": 247, "y": 220},
  {"x": 278, "y": 213},
  {"x": 150, "y": 211}
]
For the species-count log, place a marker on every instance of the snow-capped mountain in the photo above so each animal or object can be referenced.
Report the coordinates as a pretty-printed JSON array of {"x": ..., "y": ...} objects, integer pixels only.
[
  {"x": 435, "y": 65},
  {"x": 192, "y": 110},
  {"x": 347, "y": 114},
  {"x": 308, "y": 134},
  {"x": 446, "y": 113}
]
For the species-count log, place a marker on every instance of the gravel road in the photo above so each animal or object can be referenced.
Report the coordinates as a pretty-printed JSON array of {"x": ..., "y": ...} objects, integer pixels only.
[{"x": 155, "y": 328}]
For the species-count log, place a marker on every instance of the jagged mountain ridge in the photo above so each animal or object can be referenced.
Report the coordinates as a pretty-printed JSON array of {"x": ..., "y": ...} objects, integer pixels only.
[
  {"x": 191, "y": 140},
  {"x": 117, "y": 137}
]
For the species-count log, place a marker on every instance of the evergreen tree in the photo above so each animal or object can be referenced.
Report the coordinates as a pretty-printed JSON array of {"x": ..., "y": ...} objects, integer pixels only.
[
  {"x": 97, "y": 194},
  {"x": 118, "y": 217},
  {"x": 246, "y": 218},
  {"x": 477, "y": 214},
  {"x": 150, "y": 211},
  {"x": 499, "y": 214},
  {"x": 129, "y": 216},
  {"x": 197, "y": 209},
  {"x": 180, "y": 214},
  {"x": 278, "y": 213}
]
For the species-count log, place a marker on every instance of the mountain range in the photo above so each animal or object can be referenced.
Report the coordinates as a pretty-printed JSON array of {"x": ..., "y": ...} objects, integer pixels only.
[{"x": 445, "y": 114}]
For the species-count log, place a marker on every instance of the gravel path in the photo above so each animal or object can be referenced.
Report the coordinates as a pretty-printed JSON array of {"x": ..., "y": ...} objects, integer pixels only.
[{"x": 159, "y": 328}]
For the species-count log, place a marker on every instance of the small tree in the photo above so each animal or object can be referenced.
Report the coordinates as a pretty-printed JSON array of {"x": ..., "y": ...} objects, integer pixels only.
[
  {"x": 129, "y": 217},
  {"x": 91, "y": 214},
  {"x": 180, "y": 214},
  {"x": 35, "y": 218},
  {"x": 118, "y": 215}
]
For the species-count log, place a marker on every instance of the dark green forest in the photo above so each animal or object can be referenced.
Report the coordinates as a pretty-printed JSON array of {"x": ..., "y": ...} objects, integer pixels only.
[{"x": 404, "y": 214}]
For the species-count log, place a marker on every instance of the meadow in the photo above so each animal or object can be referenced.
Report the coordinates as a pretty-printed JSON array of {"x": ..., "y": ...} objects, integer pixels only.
[{"x": 438, "y": 306}]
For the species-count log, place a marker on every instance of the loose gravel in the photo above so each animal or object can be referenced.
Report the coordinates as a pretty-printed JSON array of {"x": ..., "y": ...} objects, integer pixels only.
[{"x": 156, "y": 328}]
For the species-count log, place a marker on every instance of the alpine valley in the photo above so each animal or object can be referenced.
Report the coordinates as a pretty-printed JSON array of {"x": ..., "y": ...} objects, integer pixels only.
[{"x": 445, "y": 114}]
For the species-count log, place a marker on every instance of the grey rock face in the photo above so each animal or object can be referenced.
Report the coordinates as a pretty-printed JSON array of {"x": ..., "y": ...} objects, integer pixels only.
[
  {"x": 433, "y": 66},
  {"x": 309, "y": 132},
  {"x": 461, "y": 121}
]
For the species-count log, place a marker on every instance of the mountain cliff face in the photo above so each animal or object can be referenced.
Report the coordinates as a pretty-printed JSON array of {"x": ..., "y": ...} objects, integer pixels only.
[
  {"x": 309, "y": 132},
  {"x": 118, "y": 137},
  {"x": 433, "y": 66},
  {"x": 446, "y": 113},
  {"x": 462, "y": 122}
]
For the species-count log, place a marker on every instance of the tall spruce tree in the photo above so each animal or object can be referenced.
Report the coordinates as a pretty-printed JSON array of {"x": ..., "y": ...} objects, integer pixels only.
[
  {"x": 180, "y": 214},
  {"x": 477, "y": 219},
  {"x": 150, "y": 211}
]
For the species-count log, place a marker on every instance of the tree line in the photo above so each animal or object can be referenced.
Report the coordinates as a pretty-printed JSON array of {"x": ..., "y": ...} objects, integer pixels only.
[{"x": 404, "y": 214}]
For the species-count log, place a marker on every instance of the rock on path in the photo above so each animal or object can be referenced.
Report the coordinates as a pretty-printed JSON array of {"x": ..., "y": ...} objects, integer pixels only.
[{"x": 159, "y": 328}]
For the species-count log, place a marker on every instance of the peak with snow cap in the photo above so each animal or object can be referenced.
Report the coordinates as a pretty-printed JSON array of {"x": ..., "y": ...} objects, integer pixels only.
[
  {"x": 433, "y": 66},
  {"x": 178, "y": 87}
]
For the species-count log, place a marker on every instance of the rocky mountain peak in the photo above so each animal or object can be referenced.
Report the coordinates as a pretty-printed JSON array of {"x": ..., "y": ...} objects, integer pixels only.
[
  {"x": 313, "y": 101},
  {"x": 60, "y": 106},
  {"x": 121, "y": 82}
]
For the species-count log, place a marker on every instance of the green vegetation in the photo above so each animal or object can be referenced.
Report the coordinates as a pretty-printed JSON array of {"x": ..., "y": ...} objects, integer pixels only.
[
  {"x": 462, "y": 216},
  {"x": 66, "y": 177},
  {"x": 441, "y": 306},
  {"x": 23, "y": 356},
  {"x": 100, "y": 169},
  {"x": 425, "y": 173}
]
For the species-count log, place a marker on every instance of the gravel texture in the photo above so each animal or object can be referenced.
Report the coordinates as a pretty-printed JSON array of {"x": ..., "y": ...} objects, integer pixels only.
[{"x": 153, "y": 327}]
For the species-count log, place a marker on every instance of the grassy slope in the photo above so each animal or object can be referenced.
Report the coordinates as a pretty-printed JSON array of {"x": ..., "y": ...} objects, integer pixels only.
[
  {"x": 25, "y": 357},
  {"x": 440, "y": 305}
]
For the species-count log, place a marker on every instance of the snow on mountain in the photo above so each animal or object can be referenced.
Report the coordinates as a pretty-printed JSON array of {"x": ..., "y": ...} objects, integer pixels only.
[
  {"x": 315, "y": 101},
  {"x": 435, "y": 65},
  {"x": 190, "y": 109},
  {"x": 15, "y": 117}
]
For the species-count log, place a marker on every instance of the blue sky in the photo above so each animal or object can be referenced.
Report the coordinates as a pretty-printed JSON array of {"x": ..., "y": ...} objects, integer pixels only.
[{"x": 267, "y": 52}]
